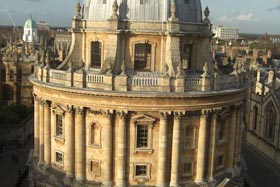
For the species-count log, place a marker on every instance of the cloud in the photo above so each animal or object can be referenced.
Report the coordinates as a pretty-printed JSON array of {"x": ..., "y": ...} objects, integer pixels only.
[
  {"x": 225, "y": 18},
  {"x": 246, "y": 17},
  {"x": 276, "y": 8}
]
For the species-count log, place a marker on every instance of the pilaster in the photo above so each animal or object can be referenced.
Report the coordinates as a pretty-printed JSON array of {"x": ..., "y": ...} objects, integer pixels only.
[
  {"x": 175, "y": 158},
  {"x": 36, "y": 127},
  {"x": 162, "y": 162},
  {"x": 108, "y": 149},
  {"x": 201, "y": 150},
  {"x": 122, "y": 147},
  {"x": 41, "y": 139},
  {"x": 47, "y": 134},
  {"x": 80, "y": 145}
]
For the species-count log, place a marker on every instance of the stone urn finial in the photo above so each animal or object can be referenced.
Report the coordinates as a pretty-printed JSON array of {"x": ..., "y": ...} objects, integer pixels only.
[
  {"x": 123, "y": 68},
  {"x": 206, "y": 15},
  {"x": 173, "y": 11},
  {"x": 115, "y": 9},
  {"x": 205, "y": 70},
  {"x": 180, "y": 71},
  {"x": 78, "y": 10},
  {"x": 165, "y": 71}
]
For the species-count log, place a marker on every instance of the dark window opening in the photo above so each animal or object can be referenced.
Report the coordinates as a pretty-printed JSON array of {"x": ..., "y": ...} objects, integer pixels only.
[
  {"x": 142, "y": 58},
  {"x": 96, "y": 54},
  {"x": 187, "y": 57}
]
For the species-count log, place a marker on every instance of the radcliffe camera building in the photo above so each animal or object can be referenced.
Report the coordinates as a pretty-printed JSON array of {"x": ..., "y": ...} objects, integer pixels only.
[{"x": 138, "y": 101}]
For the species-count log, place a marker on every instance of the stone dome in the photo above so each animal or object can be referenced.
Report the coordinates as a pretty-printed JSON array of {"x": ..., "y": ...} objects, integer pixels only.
[
  {"x": 30, "y": 23},
  {"x": 144, "y": 10}
]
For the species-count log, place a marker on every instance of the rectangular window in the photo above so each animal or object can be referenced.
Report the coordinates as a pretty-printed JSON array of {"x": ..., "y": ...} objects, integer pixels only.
[
  {"x": 59, "y": 125},
  {"x": 94, "y": 166},
  {"x": 187, "y": 169},
  {"x": 142, "y": 136},
  {"x": 3, "y": 75},
  {"x": 58, "y": 157},
  {"x": 96, "y": 54},
  {"x": 220, "y": 162},
  {"x": 141, "y": 170},
  {"x": 142, "y": 58}
]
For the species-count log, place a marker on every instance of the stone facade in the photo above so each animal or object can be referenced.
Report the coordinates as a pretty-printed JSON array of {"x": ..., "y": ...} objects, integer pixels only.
[
  {"x": 263, "y": 122},
  {"x": 121, "y": 110}
]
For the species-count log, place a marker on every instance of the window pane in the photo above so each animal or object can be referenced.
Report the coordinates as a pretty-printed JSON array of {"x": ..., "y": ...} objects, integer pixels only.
[
  {"x": 142, "y": 59},
  {"x": 142, "y": 136},
  {"x": 59, "y": 127},
  {"x": 95, "y": 54},
  {"x": 141, "y": 170}
]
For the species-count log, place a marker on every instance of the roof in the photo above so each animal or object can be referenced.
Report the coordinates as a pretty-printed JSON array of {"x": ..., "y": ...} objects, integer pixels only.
[
  {"x": 30, "y": 23},
  {"x": 144, "y": 10}
]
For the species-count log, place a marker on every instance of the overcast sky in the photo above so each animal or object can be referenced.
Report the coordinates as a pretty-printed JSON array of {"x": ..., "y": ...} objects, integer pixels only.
[{"x": 250, "y": 16}]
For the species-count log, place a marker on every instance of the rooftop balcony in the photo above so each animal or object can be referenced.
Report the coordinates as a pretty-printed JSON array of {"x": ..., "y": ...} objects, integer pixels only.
[{"x": 142, "y": 81}]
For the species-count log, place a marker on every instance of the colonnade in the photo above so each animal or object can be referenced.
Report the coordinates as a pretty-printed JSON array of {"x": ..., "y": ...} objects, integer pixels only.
[{"x": 75, "y": 144}]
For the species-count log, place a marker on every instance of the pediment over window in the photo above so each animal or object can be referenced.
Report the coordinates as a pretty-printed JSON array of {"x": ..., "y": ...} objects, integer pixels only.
[
  {"x": 143, "y": 118},
  {"x": 59, "y": 109}
]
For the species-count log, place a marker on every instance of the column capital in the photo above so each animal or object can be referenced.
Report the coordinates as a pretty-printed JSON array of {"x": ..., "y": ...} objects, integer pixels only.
[
  {"x": 164, "y": 115},
  {"x": 179, "y": 114},
  {"x": 47, "y": 104},
  {"x": 122, "y": 114},
  {"x": 205, "y": 113},
  {"x": 69, "y": 109},
  {"x": 216, "y": 111},
  {"x": 79, "y": 110},
  {"x": 107, "y": 113}
]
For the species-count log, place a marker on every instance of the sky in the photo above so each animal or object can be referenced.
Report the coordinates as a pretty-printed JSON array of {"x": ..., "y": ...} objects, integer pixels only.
[{"x": 250, "y": 16}]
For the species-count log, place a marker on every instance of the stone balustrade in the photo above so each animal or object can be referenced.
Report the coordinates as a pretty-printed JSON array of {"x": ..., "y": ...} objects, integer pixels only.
[{"x": 151, "y": 82}]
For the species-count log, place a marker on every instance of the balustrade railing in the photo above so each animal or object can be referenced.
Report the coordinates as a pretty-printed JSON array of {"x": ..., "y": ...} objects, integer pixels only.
[{"x": 95, "y": 78}]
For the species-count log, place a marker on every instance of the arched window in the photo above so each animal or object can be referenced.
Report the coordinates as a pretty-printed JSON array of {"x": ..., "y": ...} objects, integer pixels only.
[
  {"x": 142, "y": 57},
  {"x": 95, "y": 54},
  {"x": 255, "y": 118},
  {"x": 221, "y": 129},
  {"x": 95, "y": 134},
  {"x": 190, "y": 137},
  {"x": 187, "y": 56},
  {"x": 270, "y": 119}
]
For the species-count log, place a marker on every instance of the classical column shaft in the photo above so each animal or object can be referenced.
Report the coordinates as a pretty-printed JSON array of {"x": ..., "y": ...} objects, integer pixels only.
[
  {"x": 175, "y": 162},
  {"x": 121, "y": 165},
  {"x": 237, "y": 135},
  {"x": 201, "y": 150},
  {"x": 161, "y": 174},
  {"x": 41, "y": 139},
  {"x": 212, "y": 146},
  {"x": 80, "y": 146},
  {"x": 36, "y": 128},
  {"x": 108, "y": 145},
  {"x": 47, "y": 134},
  {"x": 231, "y": 140},
  {"x": 69, "y": 144}
]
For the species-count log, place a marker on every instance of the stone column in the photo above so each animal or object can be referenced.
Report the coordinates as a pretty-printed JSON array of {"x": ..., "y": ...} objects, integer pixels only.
[
  {"x": 240, "y": 130},
  {"x": 69, "y": 144},
  {"x": 121, "y": 153},
  {"x": 47, "y": 134},
  {"x": 213, "y": 144},
  {"x": 231, "y": 140},
  {"x": 176, "y": 141},
  {"x": 36, "y": 127},
  {"x": 201, "y": 150},
  {"x": 237, "y": 134},
  {"x": 108, "y": 148},
  {"x": 162, "y": 154},
  {"x": 80, "y": 145},
  {"x": 41, "y": 139}
]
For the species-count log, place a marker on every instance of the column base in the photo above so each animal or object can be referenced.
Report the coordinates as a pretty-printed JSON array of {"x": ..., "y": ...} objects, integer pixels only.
[
  {"x": 161, "y": 185},
  {"x": 68, "y": 180},
  {"x": 79, "y": 183},
  {"x": 175, "y": 185},
  {"x": 200, "y": 181},
  {"x": 107, "y": 184}
]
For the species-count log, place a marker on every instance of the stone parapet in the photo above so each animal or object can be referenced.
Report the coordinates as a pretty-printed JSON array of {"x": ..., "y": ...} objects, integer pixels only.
[{"x": 151, "y": 82}]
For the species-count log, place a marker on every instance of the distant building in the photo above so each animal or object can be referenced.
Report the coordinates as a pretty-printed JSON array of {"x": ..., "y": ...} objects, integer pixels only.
[
  {"x": 226, "y": 33},
  {"x": 43, "y": 26},
  {"x": 30, "y": 31},
  {"x": 263, "y": 121}
]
